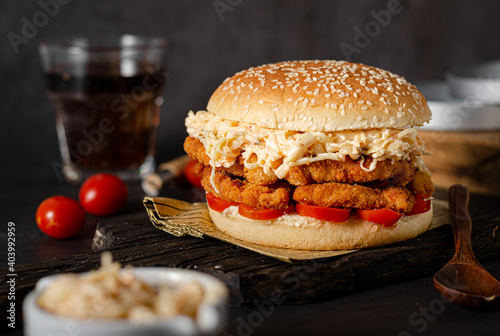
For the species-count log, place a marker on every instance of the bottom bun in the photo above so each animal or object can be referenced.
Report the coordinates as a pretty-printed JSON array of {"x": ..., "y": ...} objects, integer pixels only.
[{"x": 306, "y": 233}]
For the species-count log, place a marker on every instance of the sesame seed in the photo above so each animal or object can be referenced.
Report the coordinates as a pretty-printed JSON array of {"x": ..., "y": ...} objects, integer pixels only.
[
  {"x": 369, "y": 102},
  {"x": 386, "y": 110},
  {"x": 359, "y": 118},
  {"x": 247, "y": 106},
  {"x": 350, "y": 105}
]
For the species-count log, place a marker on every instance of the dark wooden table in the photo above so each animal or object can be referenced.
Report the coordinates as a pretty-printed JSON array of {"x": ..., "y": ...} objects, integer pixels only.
[{"x": 407, "y": 308}]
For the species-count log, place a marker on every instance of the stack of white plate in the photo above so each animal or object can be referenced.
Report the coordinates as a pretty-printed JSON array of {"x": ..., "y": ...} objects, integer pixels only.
[{"x": 468, "y": 100}]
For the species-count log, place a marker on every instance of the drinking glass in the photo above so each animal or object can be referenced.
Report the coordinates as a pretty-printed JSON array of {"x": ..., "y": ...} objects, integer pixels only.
[{"x": 107, "y": 97}]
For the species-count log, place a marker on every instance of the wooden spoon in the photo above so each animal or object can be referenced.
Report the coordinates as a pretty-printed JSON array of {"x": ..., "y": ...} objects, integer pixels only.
[{"x": 463, "y": 280}]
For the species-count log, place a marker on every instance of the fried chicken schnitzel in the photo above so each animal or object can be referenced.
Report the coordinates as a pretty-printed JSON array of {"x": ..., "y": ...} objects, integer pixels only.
[
  {"x": 341, "y": 195},
  {"x": 348, "y": 171}
]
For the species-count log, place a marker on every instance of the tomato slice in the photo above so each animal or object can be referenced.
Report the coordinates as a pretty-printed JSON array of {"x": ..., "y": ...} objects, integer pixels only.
[
  {"x": 384, "y": 217},
  {"x": 217, "y": 204},
  {"x": 264, "y": 214},
  {"x": 337, "y": 215},
  {"x": 422, "y": 204}
]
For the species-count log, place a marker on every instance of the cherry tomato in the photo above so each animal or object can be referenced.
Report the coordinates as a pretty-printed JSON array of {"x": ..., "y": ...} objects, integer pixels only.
[
  {"x": 337, "y": 215},
  {"x": 422, "y": 204},
  {"x": 384, "y": 217},
  {"x": 264, "y": 214},
  {"x": 191, "y": 175},
  {"x": 60, "y": 217},
  {"x": 217, "y": 204},
  {"x": 103, "y": 194}
]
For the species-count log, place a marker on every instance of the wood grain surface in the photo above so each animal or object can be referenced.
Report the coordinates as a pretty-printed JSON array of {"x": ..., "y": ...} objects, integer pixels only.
[
  {"x": 470, "y": 158},
  {"x": 252, "y": 277}
]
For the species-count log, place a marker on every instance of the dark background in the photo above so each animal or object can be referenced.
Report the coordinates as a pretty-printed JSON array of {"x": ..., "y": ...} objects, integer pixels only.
[
  {"x": 421, "y": 42},
  {"x": 207, "y": 45}
]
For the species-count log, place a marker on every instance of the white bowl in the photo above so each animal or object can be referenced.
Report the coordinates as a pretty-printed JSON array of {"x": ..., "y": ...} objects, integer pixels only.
[
  {"x": 455, "y": 114},
  {"x": 211, "y": 318},
  {"x": 479, "y": 81}
]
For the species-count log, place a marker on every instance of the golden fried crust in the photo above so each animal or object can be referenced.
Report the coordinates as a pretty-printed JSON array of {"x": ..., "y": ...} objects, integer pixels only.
[
  {"x": 348, "y": 171},
  {"x": 195, "y": 149},
  {"x": 340, "y": 195},
  {"x": 421, "y": 184},
  {"x": 275, "y": 196}
]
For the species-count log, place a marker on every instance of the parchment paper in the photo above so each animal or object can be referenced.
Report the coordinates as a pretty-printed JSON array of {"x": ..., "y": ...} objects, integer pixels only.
[{"x": 181, "y": 218}]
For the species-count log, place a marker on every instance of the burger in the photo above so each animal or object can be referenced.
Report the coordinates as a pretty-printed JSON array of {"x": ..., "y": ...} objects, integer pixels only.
[{"x": 315, "y": 155}]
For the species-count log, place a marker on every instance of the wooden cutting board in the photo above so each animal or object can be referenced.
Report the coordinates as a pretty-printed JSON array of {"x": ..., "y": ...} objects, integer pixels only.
[
  {"x": 252, "y": 277},
  {"x": 466, "y": 157}
]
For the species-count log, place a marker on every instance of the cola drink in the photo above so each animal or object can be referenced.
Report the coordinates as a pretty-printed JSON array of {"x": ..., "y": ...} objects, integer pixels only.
[{"x": 106, "y": 121}]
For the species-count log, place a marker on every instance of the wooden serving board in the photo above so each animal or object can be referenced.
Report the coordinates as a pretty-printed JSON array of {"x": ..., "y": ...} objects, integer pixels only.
[
  {"x": 466, "y": 157},
  {"x": 251, "y": 277},
  {"x": 254, "y": 277}
]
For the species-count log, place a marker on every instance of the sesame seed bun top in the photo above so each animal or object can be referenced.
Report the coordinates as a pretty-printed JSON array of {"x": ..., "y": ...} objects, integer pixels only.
[{"x": 320, "y": 96}]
